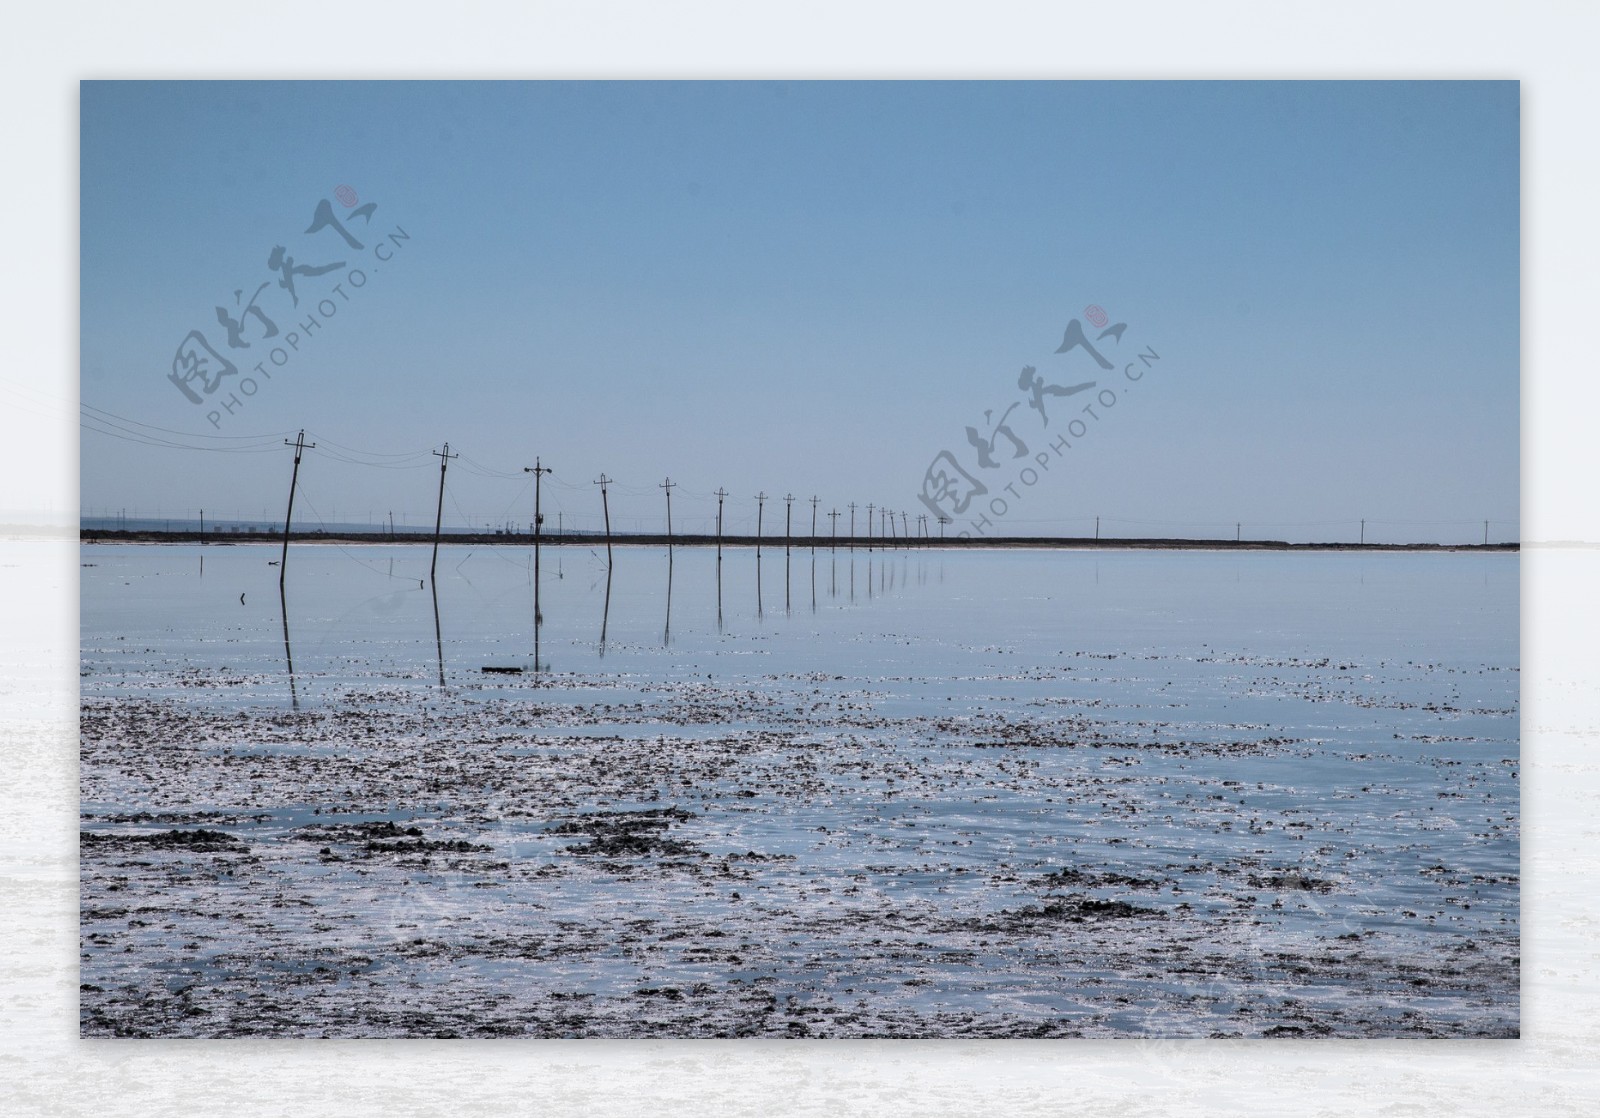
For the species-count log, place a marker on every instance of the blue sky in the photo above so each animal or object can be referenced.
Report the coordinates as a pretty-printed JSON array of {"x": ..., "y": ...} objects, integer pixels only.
[{"x": 815, "y": 288}]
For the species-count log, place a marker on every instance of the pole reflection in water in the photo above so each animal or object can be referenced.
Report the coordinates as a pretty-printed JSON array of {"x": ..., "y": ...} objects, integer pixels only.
[
  {"x": 852, "y": 577},
  {"x": 813, "y": 580},
  {"x": 538, "y": 615},
  {"x": 786, "y": 580},
  {"x": 719, "y": 590},
  {"x": 666, "y": 634},
  {"x": 758, "y": 583},
  {"x": 833, "y": 574},
  {"x": 605, "y": 614},
  {"x": 288, "y": 654},
  {"x": 438, "y": 634}
]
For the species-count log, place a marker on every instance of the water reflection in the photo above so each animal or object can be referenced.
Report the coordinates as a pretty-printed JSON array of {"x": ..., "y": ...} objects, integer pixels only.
[
  {"x": 666, "y": 633},
  {"x": 288, "y": 653},
  {"x": 605, "y": 613},
  {"x": 438, "y": 634}
]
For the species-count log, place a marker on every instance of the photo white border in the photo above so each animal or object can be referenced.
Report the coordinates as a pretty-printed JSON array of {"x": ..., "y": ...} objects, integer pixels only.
[{"x": 46, "y": 1069}]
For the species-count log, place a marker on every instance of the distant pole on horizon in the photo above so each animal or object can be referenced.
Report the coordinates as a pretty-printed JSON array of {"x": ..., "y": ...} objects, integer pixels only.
[
  {"x": 1097, "y": 528},
  {"x": 1237, "y": 529},
  {"x": 438, "y": 517},
  {"x": 1485, "y": 534},
  {"x": 721, "y": 493},
  {"x": 1363, "y": 532},
  {"x": 299, "y": 446},
  {"x": 852, "y": 526},
  {"x": 833, "y": 530},
  {"x": 788, "y": 509},
  {"x": 667, "y": 485},
  {"x": 202, "y": 526},
  {"x": 538, "y": 470},
  {"x": 943, "y": 520},
  {"x": 605, "y": 508},
  {"x": 870, "y": 508},
  {"x": 761, "y": 504},
  {"x": 904, "y": 530},
  {"x": 814, "y": 500}
]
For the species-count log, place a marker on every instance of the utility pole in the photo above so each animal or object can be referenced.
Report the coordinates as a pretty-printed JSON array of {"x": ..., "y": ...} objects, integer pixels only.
[
  {"x": 667, "y": 485},
  {"x": 833, "y": 530},
  {"x": 761, "y": 503},
  {"x": 814, "y": 500},
  {"x": 299, "y": 446},
  {"x": 788, "y": 510},
  {"x": 870, "y": 508},
  {"x": 438, "y": 518},
  {"x": 721, "y": 493},
  {"x": 1237, "y": 530},
  {"x": 1485, "y": 534},
  {"x": 904, "y": 531},
  {"x": 1363, "y": 531},
  {"x": 203, "y": 527},
  {"x": 605, "y": 507},
  {"x": 943, "y": 520},
  {"x": 852, "y": 526},
  {"x": 538, "y": 470},
  {"x": 1097, "y": 527},
  {"x": 391, "y": 526}
]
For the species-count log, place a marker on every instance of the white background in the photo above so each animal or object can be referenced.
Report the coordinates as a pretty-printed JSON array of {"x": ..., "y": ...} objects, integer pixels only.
[{"x": 45, "y": 1069}]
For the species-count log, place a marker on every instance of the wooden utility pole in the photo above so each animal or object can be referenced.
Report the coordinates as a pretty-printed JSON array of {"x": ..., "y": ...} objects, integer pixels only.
[
  {"x": 852, "y": 526},
  {"x": 904, "y": 530},
  {"x": 788, "y": 510},
  {"x": 870, "y": 508},
  {"x": 605, "y": 507},
  {"x": 1363, "y": 531},
  {"x": 299, "y": 446},
  {"x": 721, "y": 493},
  {"x": 538, "y": 470},
  {"x": 667, "y": 485},
  {"x": 1097, "y": 528},
  {"x": 833, "y": 530},
  {"x": 1238, "y": 528},
  {"x": 438, "y": 520},
  {"x": 943, "y": 520},
  {"x": 1485, "y": 534},
  {"x": 814, "y": 500},
  {"x": 761, "y": 504}
]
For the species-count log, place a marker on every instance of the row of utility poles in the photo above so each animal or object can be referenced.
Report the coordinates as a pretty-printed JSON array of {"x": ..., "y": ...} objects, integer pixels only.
[
  {"x": 887, "y": 536},
  {"x": 886, "y": 532}
]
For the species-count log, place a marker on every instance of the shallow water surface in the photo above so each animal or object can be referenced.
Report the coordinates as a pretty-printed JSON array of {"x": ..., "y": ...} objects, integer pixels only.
[{"x": 915, "y": 793}]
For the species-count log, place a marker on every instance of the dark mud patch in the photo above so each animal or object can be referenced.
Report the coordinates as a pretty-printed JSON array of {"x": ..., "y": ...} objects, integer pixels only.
[
  {"x": 198, "y": 840},
  {"x": 620, "y": 834}
]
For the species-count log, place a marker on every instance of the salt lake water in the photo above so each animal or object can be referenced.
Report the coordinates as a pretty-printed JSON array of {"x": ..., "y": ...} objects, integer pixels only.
[{"x": 927, "y": 792}]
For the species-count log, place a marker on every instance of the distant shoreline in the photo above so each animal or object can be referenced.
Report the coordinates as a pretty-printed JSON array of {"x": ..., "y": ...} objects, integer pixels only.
[{"x": 861, "y": 543}]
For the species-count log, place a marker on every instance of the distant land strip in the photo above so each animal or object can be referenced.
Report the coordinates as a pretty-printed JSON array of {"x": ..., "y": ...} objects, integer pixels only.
[{"x": 860, "y": 543}]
